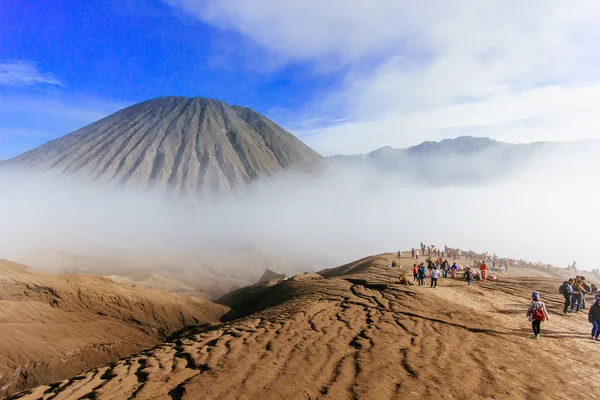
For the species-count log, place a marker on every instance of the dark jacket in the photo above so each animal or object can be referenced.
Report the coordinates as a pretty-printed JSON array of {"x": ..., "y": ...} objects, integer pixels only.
[
  {"x": 594, "y": 314},
  {"x": 567, "y": 289}
]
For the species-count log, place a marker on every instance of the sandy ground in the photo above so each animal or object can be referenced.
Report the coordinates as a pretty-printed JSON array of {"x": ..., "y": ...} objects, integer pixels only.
[
  {"x": 56, "y": 326},
  {"x": 360, "y": 335}
]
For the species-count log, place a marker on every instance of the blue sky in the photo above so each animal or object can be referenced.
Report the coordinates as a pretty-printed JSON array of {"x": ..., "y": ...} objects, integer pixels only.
[
  {"x": 342, "y": 75},
  {"x": 102, "y": 55}
]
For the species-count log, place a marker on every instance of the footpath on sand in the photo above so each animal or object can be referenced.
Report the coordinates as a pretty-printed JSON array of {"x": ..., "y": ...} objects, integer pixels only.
[{"x": 354, "y": 332}]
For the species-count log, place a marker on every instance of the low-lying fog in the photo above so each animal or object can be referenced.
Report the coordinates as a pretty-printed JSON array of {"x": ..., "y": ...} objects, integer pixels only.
[{"x": 546, "y": 210}]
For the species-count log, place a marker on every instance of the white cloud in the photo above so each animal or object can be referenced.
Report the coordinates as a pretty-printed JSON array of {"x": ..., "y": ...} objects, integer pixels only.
[
  {"x": 342, "y": 214},
  {"x": 20, "y": 73},
  {"x": 435, "y": 67}
]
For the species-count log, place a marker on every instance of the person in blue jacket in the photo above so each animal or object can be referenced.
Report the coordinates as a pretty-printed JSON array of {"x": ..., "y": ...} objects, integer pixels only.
[{"x": 594, "y": 318}]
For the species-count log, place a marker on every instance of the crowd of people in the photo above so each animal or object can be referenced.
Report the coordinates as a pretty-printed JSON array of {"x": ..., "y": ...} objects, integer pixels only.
[{"x": 438, "y": 266}]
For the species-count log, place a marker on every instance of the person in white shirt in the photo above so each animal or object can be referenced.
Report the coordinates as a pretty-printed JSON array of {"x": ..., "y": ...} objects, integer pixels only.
[{"x": 435, "y": 274}]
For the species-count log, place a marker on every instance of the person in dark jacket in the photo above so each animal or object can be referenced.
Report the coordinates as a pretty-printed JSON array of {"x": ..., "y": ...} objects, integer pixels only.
[
  {"x": 568, "y": 293},
  {"x": 422, "y": 274},
  {"x": 468, "y": 276},
  {"x": 594, "y": 318},
  {"x": 586, "y": 290},
  {"x": 445, "y": 268}
]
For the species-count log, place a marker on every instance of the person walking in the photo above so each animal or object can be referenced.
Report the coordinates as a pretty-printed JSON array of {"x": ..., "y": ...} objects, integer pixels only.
[
  {"x": 422, "y": 274},
  {"x": 566, "y": 289},
  {"x": 468, "y": 276},
  {"x": 435, "y": 274},
  {"x": 537, "y": 313},
  {"x": 594, "y": 318}
]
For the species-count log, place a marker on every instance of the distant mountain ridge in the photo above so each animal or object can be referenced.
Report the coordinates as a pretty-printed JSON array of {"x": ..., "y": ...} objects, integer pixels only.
[
  {"x": 460, "y": 161},
  {"x": 187, "y": 145}
]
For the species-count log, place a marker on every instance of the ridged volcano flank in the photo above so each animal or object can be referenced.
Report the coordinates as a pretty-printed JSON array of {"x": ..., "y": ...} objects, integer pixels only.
[{"x": 193, "y": 145}]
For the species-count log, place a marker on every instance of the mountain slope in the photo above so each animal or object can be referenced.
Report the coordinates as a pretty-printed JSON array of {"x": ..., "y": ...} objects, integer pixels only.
[
  {"x": 189, "y": 145},
  {"x": 53, "y": 326},
  {"x": 358, "y": 335},
  {"x": 461, "y": 161}
]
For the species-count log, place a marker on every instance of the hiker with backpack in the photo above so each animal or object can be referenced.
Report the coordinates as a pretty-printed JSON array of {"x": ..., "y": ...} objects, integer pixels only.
[
  {"x": 468, "y": 276},
  {"x": 594, "y": 318},
  {"x": 537, "y": 313},
  {"x": 566, "y": 289}
]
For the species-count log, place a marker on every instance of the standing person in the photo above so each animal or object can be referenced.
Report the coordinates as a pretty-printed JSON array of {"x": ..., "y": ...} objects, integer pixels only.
[
  {"x": 413, "y": 252},
  {"x": 435, "y": 274},
  {"x": 453, "y": 270},
  {"x": 537, "y": 313},
  {"x": 445, "y": 268},
  {"x": 483, "y": 270},
  {"x": 566, "y": 289},
  {"x": 468, "y": 276},
  {"x": 576, "y": 296},
  {"x": 586, "y": 290},
  {"x": 430, "y": 264},
  {"x": 415, "y": 273},
  {"x": 594, "y": 318},
  {"x": 416, "y": 254},
  {"x": 422, "y": 274},
  {"x": 399, "y": 256}
]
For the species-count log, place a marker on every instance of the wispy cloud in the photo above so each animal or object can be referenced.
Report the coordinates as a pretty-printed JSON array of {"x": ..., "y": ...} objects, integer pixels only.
[
  {"x": 21, "y": 73},
  {"x": 434, "y": 67}
]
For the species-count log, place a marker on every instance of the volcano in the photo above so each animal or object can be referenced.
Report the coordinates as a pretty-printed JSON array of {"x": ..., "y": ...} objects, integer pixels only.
[{"x": 186, "y": 145}]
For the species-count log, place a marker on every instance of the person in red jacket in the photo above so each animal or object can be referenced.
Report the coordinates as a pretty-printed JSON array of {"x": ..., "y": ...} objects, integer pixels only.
[{"x": 483, "y": 270}]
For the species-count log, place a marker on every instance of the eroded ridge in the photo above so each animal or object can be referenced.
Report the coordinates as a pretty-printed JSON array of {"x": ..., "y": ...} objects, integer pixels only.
[{"x": 358, "y": 335}]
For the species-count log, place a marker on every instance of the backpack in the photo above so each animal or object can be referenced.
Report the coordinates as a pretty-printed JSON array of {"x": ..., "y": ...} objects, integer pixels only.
[
  {"x": 561, "y": 289},
  {"x": 538, "y": 314}
]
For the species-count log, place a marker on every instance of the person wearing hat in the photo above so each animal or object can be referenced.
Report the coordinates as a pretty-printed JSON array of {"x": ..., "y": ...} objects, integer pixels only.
[
  {"x": 594, "y": 318},
  {"x": 536, "y": 313}
]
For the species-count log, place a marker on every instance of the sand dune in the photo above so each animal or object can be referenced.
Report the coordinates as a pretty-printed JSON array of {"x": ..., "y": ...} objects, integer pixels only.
[
  {"x": 357, "y": 334},
  {"x": 55, "y": 326}
]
